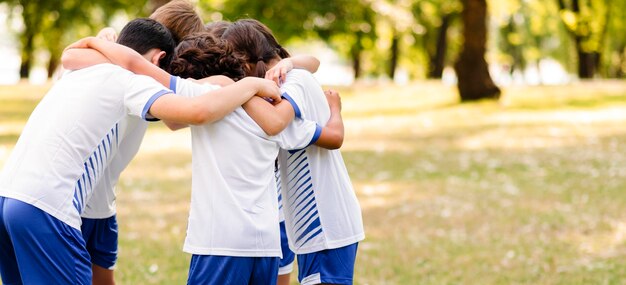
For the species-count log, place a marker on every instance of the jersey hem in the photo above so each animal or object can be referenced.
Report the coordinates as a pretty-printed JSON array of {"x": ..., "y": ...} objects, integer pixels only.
[
  {"x": 232, "y": 252},
  {"x": 98, "y": 215},
  {"x": 44, "y": 207},
  {"x": 328, "y": 245}
]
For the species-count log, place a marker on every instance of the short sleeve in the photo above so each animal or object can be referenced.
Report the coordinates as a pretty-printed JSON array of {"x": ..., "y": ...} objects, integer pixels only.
[
  {"x": 188, "y": 88},
  {"x": 140, "y": 93},
  {"x": 298, "y": 135},
  {"x": 293, "y": 91}
]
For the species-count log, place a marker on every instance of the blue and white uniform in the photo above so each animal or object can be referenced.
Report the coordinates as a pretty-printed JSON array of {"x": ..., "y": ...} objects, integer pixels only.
[
  {"x": 322, "y": 212},
  {"x": 234, "y": 212},
  {"x": 63, "y": 152},
  {"x": 285, "y": 266},
  {"x": 99, "y": 221}
]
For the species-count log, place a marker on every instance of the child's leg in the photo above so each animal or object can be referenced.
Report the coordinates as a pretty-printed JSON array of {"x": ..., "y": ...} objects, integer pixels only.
[
  {"x": 48, "y": 251},
  {"x": 285, "y": 266},
  {"x": 8, "y": 263},
  {"x": 331, "y": 266},
  {"x": 101, "y": 239}
]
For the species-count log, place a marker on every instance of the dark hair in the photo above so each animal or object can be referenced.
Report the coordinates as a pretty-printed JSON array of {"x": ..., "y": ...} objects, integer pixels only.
[
  {"x": 269, "y": 36},
  {"x": 144, "y": 34},
  {"x": 251, "y": 46},
  {"x": 202, "y": 55},
  {"x": 180, "y": 17}
]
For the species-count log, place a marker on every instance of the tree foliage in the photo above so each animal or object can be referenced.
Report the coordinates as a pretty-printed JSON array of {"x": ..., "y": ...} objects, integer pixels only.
[
  {"x": 50, "y": 24},
  {"x": 377, "y": 36}
]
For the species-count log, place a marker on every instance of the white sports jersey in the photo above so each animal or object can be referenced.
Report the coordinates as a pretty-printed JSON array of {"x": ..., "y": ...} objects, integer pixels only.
[
  {"x": 321, "y": 209},
  {"x": 234, "y": 209},
  {"x": 72, "y": 136},
  {"x": 101, "y": 205}
]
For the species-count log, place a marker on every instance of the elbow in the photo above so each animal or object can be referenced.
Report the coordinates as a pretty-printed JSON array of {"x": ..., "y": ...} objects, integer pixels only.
[
  {"x": 336, "y": 144},
  {"x": 275, "y": 128},
  {"x": 66, "y": 58},
  {"x": 333, "y": 141}
]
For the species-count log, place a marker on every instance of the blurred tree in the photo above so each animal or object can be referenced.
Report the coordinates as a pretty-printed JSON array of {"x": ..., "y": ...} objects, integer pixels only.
[
  {"x": 394, "y": 20},
  {"x": 435, "y": 18},
  {"x": 474, "y": 81},
  {"x": 614, "y": 63},
  {"x": 528, "y": 33},
  {"x": 586, "y": 21},
  {"x": 49, "y": 21},
  {"x": 347, "y": 25}
]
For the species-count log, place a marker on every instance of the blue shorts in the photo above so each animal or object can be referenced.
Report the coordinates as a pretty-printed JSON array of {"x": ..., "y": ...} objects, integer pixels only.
[
  {"x": 36, "y": 248},
  {"x": 101, "y": 238},
  {"x": 332, "y": 266},
  {"x": 285, "y": 266},
  {"x": 232, "y": 270}
]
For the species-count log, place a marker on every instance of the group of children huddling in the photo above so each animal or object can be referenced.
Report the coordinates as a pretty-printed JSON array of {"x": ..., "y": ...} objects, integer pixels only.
[{"x": 268, "y": 182}]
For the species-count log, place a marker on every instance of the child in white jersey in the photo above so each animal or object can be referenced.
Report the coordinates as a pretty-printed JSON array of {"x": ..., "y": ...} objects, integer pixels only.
[
  {"x": 218, "y": 142},
  {"x": 322, "y": 215},
  {"x": 65, "y": 147},
  {"x": 99, "y": 220}
]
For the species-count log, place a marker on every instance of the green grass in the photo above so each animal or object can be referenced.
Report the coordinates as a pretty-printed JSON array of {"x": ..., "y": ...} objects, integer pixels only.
[{"x": 528, "y": 190}]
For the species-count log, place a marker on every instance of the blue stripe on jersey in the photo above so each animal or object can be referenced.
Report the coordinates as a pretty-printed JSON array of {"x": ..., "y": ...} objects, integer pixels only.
[
  {"x": 173, "y": 83},
  {"x": 296, "y": 109},
  {"x": 146, "y": 107},
  {"x": 302, "y": 206},
  {"x": 93, "y": 168},
  {"x": 278, "y": 187},
  {"x": 93, "y": 171},
  {"x": 316, "y": 135},
  {"x": 117, "y": 136}
]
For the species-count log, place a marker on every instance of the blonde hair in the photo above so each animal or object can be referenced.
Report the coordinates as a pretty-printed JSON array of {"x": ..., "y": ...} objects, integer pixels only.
[{"x": 180, "y": 17}]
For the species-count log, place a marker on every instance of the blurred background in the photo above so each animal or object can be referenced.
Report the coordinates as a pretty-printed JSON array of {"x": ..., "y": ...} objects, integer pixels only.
[
  {"x": 486, "y": 140},
  {"x": 523, "y": 41}
]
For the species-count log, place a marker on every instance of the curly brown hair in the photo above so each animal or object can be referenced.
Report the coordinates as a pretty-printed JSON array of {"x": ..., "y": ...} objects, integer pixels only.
[{"x": 202, "y": 55}]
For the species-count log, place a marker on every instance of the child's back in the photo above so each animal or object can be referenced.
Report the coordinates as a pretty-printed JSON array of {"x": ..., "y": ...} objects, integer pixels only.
[
  {"x": 234, "y": 208},
  {"x": 321, "y": 209}
]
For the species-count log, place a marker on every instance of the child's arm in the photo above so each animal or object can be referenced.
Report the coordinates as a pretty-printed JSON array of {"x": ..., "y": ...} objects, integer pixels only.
[
  {"x": 79, "y": 58},
  {"x": 121, "y": 55},
  {"x": 279, "y": 71},
  {"x": 333, "y": 132},
  {"x": 220, "y": 80},
  {"x": 87, "y": 57},
  {"x": 271, "y": 118},
  {"x": 276, "y": 118},
  {"x": 213, "y": 105}
]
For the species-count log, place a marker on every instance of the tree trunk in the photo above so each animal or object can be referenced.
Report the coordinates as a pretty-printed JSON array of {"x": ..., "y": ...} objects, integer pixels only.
[
  {"x": 27, "y": 53},
  {"x": 53, "y": 63},
  {"x": 587, "y": 64},
  {"x": 474, "y": 81},
  {"x": 355, "y": 53},
  {"x": 356, "y": 62},
  {"x": 587, "y": 61},
  {"x": 395, "y": 50},
  {"x": 437, "y": 61}
]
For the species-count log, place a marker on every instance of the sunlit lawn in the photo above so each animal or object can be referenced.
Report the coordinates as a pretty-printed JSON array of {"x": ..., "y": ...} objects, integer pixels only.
[{"x": 530, "y": 190}]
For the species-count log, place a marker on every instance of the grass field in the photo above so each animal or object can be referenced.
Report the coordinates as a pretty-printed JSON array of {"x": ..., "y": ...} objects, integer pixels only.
[{"x": 528, "y": 190}]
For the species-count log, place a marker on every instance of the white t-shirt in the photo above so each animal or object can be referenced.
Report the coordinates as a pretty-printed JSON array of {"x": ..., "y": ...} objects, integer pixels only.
[
  {"x": 102, "y": 202},
  {"x": 321, "y": 208},
  {"x": 234, "y": 209},
  {"x": 72, "y": 136}
]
